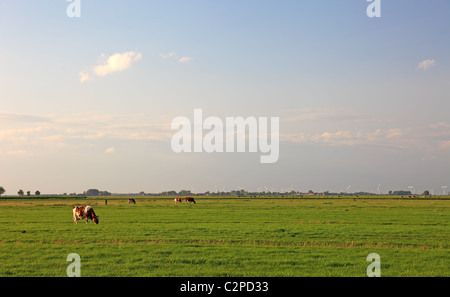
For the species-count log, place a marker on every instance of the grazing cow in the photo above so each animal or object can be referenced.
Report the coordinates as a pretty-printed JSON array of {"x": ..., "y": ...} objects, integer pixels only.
[
  {"x": 84, "y": 212},
  {"x": 190, "y": 199},
  {"x": 131, "y": 200},
  {"x": 178, "y": 200}
]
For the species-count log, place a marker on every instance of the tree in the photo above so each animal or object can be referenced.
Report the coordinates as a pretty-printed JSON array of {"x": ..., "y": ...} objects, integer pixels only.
[
  {"x": 426, "y": 193},
  {"x": 37, "y": 193},
  {"x": 92, "y": 192},
  {"x": 185, "y": 192},
  {"x": 28, "y": 193},
  {"x": 21, "y": 192},
  {"x": 2, "y": 191}
]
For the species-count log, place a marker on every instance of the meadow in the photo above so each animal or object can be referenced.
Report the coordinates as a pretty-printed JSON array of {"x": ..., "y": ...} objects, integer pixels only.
[{"x": 227, "y": 237}]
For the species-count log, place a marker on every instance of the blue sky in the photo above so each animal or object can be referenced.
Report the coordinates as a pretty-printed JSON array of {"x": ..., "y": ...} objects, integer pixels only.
[{"x": 362, "y": 101}]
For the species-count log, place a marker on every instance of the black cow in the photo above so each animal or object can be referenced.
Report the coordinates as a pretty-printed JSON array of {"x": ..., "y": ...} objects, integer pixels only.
[{"x": 190, "y": 199}]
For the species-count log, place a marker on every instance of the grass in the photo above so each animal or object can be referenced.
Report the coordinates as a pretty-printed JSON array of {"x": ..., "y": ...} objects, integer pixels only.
[{"x": 226, "y": 237}]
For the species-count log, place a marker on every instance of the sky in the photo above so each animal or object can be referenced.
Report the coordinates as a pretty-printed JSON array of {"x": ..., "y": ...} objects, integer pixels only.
[{"x": 88, "y": 94}]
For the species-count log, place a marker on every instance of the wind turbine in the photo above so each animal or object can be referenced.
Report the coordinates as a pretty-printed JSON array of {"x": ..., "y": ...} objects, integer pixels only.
[{"x": 379, "y": 185}]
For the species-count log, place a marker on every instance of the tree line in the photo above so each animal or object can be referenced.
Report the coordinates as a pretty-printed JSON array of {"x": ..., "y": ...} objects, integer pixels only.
[
  {"x": 240, "y": 192},
  {"x": 20, "y": 192}
]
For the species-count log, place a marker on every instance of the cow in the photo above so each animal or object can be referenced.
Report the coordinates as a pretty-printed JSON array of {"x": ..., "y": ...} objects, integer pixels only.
[
  {"x": 178, "y": 200},
  {"x": 84, "y": 212},
  {"x": 131, "y": 200},
  {"x": 190, "y": 199}
]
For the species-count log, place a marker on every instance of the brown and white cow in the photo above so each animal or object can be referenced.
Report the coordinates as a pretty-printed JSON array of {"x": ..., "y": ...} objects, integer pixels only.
[
  {"x": 190, "y": 199},
  {"x": 178, "y": 200},
  {"x": 84, "y": 212}
]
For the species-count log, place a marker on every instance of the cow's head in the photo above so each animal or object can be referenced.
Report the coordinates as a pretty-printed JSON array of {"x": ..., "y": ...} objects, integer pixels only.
[{"x": 96, "y": 219}]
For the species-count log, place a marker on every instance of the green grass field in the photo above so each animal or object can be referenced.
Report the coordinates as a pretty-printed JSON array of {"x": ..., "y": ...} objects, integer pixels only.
[{"x": 226, "y": 237}]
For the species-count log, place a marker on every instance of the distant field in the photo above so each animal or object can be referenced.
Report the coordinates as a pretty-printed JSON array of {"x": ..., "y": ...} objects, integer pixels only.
[{"x": 226, "y": 237}]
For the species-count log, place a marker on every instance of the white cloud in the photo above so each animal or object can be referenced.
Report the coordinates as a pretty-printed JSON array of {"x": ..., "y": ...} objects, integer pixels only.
[
  {"x": 55, "y": 133},
  {"x": 315, "y": 114},
  {"x": 173, "y": 55},
  {"x": 445, "y": 144},
  {"x": 184, "y": 59},
  {"x": 393, "y": 138},
  {"x": 394, "y": 133},
  {"x": 84, "y": 76},
  {"x": 426, "y": 64},
  {"x": 115, "y": 63},
  {"x": 165, "y": 56},
  {"x": 18, "y": 135}
]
